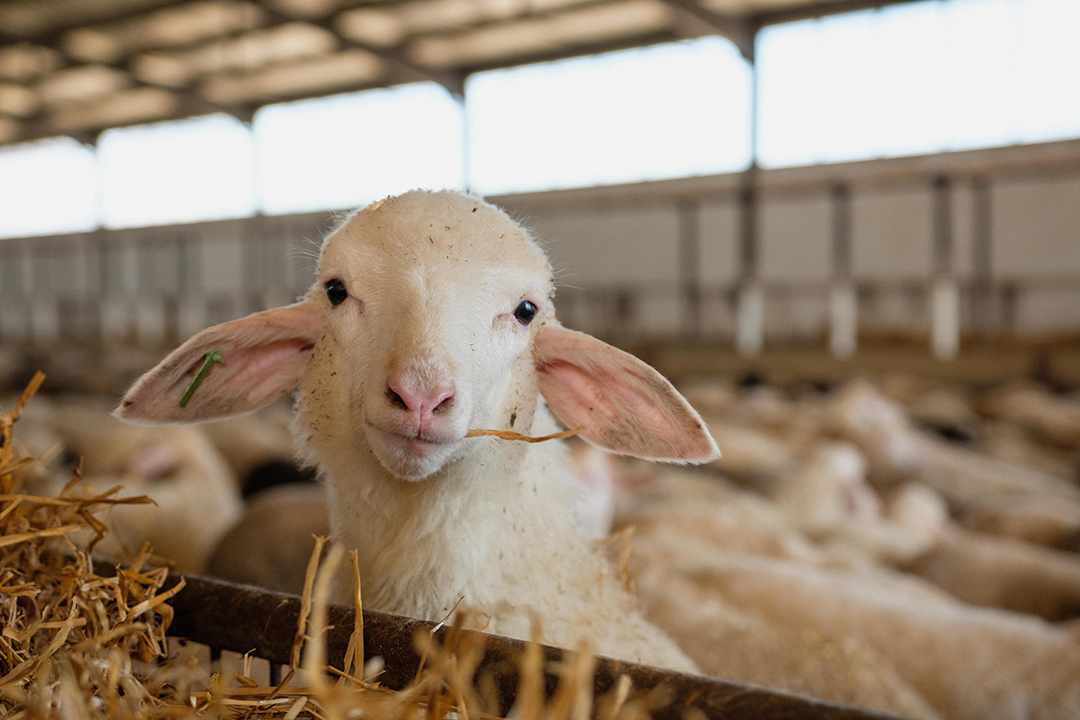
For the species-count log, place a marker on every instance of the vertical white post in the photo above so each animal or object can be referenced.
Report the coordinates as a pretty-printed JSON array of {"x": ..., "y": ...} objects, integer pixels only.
[
  {"x": 843, "y": 320},
  {"x": 945, "y": 318},
  {"x": 944, "y": 290},
  {"x": 750, "y": 321}
]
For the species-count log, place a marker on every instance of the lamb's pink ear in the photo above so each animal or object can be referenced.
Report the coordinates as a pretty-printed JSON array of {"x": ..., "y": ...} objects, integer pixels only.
[
  {"x": 264, "y": 356},
  {"x": 624, "y": 405}
]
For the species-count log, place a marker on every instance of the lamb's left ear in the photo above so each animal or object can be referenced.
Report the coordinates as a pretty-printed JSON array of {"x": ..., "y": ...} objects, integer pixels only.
[
  {"x": 262, "y": 357},
  {"x": 624, "y": 405}
]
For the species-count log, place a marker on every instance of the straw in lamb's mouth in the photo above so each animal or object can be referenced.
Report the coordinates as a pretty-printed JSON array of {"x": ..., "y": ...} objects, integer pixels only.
[{"x": 511, "y": 435}]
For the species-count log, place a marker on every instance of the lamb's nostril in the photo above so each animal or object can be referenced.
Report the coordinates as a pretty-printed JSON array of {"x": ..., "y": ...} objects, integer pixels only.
[
  {"x": 396, "y": 400},
  {"x": 443, "y": 403}
]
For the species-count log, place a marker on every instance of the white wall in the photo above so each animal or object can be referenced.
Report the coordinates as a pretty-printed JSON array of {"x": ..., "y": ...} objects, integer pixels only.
[{"x": 617, "y": 253}]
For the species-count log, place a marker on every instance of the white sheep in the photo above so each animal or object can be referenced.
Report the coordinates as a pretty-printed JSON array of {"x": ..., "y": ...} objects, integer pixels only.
[
  {"x": 1004, "y": 572},
  {"x": 196, "y": 498},
  {"x": 726, "y": 574},
  {"x": 270, "y": 546},
  {"x": 431, "y": 315}
]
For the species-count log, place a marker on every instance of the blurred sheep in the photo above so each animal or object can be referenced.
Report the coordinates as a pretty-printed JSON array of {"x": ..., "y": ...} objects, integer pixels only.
[{"x": 195, "y": 494}]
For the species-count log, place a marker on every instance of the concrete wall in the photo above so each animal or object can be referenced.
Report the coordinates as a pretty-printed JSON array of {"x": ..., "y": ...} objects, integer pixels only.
[
  {"x": 1031, "y": 252},
  {"x": 628, "y": 259}
]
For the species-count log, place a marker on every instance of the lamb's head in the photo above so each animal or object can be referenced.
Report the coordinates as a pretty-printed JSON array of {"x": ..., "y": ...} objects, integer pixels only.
[
  {"x": 429, "y": 304},
  {"x": 432, "y": 314}
]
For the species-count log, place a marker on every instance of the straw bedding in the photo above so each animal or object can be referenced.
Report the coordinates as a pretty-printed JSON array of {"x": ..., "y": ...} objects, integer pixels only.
[{"x": 79, "y": 641}]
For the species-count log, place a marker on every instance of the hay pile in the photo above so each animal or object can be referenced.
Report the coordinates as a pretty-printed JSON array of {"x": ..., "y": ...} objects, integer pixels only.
[{"x": 78, "y": 644}]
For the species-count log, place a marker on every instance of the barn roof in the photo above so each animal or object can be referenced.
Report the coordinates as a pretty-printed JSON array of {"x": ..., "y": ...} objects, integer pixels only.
[{"x": 77, "y": 67}]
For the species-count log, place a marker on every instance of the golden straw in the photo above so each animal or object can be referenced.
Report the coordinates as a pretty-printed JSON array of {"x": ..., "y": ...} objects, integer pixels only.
[{"x": 511, "y": 435}]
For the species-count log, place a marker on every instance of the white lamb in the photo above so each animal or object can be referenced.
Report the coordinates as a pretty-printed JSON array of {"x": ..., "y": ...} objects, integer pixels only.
[{"x": 432, "y": 315}]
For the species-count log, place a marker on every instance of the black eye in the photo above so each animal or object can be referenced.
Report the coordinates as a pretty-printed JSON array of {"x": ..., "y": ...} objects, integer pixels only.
[
  {"x": 525, "y": 312},
  {"x": 336, "y": 291}
]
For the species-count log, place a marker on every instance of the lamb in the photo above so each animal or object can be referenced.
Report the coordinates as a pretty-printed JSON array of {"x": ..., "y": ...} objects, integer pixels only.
[
  {"x": 967, "y": 662},
  {"x": 896, "y": 450},
  {"x": 270, "y": 546},
  {"x": 777, "y": 613},
  {"x": 432, "y": 315},
  {"x": 1003, "y": 572}
]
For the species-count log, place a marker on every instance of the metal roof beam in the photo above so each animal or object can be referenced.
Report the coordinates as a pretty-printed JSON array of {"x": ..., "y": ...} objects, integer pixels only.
[
  {"x": 542, "y": 56},
  {"x": 738, "y": 30},
  {"x": 821, "y": 8},
  {"x": 38, "y": 128}
]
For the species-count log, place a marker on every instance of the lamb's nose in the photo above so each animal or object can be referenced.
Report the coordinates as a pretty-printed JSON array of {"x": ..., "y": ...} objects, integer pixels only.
[{"x": 419, "y": 402}]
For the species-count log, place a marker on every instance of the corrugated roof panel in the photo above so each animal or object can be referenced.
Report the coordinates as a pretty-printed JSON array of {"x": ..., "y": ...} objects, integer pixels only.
[
  {"x": 346, "y": 69},
  {"x": 498, "y": 42},
  {"x": 248, "y": 53},
  {"x": 131, "y": 106},
  {"x": 17, "y": 100},
  {"x": 79, "y": 84},
  {"x": 25, "y": 61},
  {"x": 9, "y": 130}
]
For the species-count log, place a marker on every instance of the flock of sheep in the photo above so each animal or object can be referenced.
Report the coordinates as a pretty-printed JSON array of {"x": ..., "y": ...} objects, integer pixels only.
[{"x": 899, "y": 545}]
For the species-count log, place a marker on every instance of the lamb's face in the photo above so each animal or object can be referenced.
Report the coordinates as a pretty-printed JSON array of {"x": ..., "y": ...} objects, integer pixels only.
[
  {"x": 432, "y": 315},
  {"x": 431, "y": 302}
]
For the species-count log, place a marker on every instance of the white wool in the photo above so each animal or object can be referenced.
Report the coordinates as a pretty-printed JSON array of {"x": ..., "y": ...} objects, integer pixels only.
[
  {"x": 271, "y": 545},
  {"x": 493, "y": 525}
]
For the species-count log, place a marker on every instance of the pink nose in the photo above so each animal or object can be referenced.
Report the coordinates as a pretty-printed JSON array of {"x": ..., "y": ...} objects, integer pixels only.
[{"x": 419, "y": 403}]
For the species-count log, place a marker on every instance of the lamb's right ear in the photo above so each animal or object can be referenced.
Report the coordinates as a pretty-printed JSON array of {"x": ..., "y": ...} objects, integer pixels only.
[
  {"x": 264, "y": 355},
  {"x": 620, "y": 403}
]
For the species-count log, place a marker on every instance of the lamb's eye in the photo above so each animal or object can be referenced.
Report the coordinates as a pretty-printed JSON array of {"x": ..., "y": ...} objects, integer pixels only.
[
  {"x": 336, "y": 291},
  {"x": 525, "y": 312}
]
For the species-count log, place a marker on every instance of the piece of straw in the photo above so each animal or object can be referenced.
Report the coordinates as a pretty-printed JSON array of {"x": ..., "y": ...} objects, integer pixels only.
[
  {"x": 354, "y": 654},
  {"x": 214, "y": 357},
  {"x": 511, "y": 435},
  {"x": 305, "y": 601}
]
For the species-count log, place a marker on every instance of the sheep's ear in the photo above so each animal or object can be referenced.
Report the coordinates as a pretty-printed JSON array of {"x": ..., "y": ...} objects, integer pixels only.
[
  {"x": 264, "y": 355},
  {"x": 624, "y": 405}
]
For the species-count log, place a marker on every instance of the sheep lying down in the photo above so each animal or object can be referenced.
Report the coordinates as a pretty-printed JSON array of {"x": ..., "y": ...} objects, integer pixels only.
[{"x": 432, "y": 315}]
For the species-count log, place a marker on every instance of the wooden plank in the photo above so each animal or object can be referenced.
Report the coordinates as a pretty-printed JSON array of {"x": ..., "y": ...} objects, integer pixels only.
[{"x": 241, "y": 618}]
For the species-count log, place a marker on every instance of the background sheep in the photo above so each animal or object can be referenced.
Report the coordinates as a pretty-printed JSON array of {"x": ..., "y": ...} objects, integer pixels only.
[{"x": 196, "y": 496}]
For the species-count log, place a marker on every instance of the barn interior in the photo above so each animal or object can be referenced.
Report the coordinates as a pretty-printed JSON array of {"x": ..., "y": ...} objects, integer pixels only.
[{"x": 848, "y": 231}]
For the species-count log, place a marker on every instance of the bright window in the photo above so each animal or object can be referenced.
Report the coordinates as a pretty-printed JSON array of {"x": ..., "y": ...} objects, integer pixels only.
[
  {"x": 919, "y": 78},
  {"x": 175, "y": 172},
  {"x": 663, "y": 111},
  {"x": 47, "y": 187},
  {"x": 347, "y": 150}
]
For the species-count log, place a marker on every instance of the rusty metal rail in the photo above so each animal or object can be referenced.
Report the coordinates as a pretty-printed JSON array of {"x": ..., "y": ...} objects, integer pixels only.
[{"x": 225, "y": 616}]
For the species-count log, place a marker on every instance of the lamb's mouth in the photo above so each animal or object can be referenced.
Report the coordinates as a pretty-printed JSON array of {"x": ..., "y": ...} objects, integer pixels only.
[{"x": 420, "y": 445}]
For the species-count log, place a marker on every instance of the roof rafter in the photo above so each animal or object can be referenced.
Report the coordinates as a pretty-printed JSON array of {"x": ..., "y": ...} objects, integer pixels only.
[
  {"x": 821, "y": 8},
  {"x": 564, "y": 53},
  {"x": 411, "y": 45},
  {"x": 736, "y": 29}
]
